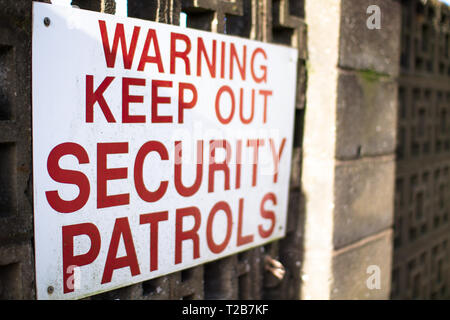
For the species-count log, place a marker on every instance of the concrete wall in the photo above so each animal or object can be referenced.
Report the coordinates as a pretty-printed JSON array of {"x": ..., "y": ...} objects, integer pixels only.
[{"x": 349, "y": 145}]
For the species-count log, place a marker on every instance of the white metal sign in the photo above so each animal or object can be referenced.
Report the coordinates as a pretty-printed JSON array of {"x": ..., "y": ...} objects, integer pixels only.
[{"x": 155, "y": 148}]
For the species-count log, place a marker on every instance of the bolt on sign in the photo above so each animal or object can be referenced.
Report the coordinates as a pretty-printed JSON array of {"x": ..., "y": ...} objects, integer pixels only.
[{"x": 155, "y": 148}]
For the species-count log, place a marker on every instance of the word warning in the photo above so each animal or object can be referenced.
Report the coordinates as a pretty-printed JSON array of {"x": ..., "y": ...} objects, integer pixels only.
[{"x": 155, "y": 148}]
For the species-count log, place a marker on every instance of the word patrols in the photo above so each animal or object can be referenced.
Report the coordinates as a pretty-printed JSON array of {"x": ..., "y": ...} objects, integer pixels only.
[
  {"x": 156, "y": 149},
  {"x": 122, "y": 227}
]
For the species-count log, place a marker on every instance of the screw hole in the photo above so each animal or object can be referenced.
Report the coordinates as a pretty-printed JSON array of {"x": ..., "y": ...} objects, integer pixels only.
[
  {"x": 50, "y": 290},
  {"x": 46, "y": 21},
  {"x": 358, "y": 151}
]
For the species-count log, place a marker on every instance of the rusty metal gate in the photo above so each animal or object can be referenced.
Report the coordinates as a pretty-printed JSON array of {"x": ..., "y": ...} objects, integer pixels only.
[
  {"x": 422, "y": 204},
  {"x": 241, "y": 276}
]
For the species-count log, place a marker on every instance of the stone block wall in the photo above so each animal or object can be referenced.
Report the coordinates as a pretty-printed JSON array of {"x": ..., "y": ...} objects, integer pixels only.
[{"x": 349, "y": 148}]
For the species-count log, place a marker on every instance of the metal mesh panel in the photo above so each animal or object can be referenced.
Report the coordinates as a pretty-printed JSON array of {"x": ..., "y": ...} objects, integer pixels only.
[
  {"x": 422, "y": 207},
  {"x": 16, "y": 260}
]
